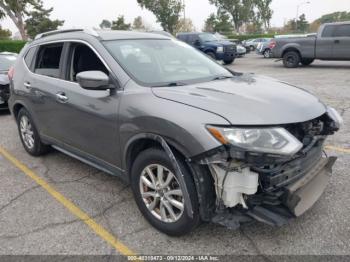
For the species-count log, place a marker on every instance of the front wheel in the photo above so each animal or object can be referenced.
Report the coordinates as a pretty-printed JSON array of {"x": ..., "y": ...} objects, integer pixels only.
[
  {"x": 159, "y": 194},
  {"x": 267, "y": 53},
  {"x": 229, "y": 61},
  {"x": 307, "y": 62},
  {"x": 291, "y": 59}
]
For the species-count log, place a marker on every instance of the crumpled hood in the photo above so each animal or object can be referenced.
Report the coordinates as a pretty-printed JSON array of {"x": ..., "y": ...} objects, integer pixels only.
[
  {"x": 4, "y": 80},
  {"x": 248, "y": 100}
]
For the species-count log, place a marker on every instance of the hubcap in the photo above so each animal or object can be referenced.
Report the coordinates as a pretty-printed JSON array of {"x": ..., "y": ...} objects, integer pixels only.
[
  {"x": 161, "y": 193},
  {"x": 27, "y": 132}
]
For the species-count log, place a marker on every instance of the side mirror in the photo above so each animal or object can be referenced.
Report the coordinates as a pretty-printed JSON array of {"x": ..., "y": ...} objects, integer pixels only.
[{"x": 93, "y": 80}]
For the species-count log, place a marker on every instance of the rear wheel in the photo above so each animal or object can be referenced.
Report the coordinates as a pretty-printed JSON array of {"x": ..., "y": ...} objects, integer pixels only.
[
  {"x": 291, "y": 59},
  {"x": 307, "y": 62},
  {"x": 160, "y": 196},
  {"x": 252, "y": 48},
  {"x": 29, "y": 134}
]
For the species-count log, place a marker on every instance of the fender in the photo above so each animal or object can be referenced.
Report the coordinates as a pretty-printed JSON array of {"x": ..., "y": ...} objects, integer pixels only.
[{"x": 173, "y": 160}]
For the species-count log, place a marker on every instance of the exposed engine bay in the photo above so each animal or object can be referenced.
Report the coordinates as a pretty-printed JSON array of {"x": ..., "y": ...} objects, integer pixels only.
[{"x": 267, "y": 187}]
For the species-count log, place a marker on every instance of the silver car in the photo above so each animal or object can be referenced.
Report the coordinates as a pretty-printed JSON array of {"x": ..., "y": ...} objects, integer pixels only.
[
  {"x": 197, "y": 142},
  {"x": 6, "y": 61}
]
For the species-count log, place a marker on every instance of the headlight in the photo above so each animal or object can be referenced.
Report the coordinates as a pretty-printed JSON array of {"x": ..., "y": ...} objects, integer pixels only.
[
  {"x": 220, "y": 49},
  {"x": 335, "y": 116},
  {"x": 266, "y": 140}
]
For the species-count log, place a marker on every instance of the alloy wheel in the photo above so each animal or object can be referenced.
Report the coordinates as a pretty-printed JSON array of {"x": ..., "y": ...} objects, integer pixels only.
[
  {"x": 161, "y": 193},
  {"x": 27, "y": 132}
]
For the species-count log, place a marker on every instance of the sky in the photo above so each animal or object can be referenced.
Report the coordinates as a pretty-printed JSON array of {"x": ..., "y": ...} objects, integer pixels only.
[{"x": 89, "y": 13}]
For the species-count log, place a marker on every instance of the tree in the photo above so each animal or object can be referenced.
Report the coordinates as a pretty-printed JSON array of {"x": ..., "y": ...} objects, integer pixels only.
[
  {"x": 264, "y": 12},
  {"x": 120, "y": 24},
  {"x": 16, "y": 11},
  {"x": 240, "y": 10},
  {"x": 4, "y": 33},
  {"x": 167, "y": 12},
  {"x": 138, "y": 24},
  {"x": 184, "y": 25},
  {"x": 210, "y": 24},
  {"x": 334, "y": 17},
  {"x": 39, "y": 21},
  {"x": 302, "y": 24},
  {"x": 105, "y": 24}
]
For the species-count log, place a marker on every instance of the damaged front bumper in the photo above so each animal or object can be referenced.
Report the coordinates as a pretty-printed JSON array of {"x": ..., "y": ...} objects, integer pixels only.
[{"x": 272, "y": 196}]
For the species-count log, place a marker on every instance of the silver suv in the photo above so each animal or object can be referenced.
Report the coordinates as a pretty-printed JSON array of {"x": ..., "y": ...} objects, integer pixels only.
[{"x": 196, "y": 141}]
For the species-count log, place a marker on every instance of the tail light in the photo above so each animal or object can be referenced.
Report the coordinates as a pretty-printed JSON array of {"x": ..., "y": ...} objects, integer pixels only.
[
  {"x": 11, "y": 73},
  {"x": 272, "y": 44}
]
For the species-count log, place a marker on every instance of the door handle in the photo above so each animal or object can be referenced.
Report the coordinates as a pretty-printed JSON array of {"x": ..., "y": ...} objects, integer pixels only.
[
  {"x": 61, "y": 97},
  {"x": 336, "y": 41},
  {"x": 27, "y": 85}
]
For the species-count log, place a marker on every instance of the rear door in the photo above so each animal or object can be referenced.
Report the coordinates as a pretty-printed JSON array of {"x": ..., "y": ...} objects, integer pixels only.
[
  {"x": 325, "y": 43},
  {"x": 341, "y": 42}
]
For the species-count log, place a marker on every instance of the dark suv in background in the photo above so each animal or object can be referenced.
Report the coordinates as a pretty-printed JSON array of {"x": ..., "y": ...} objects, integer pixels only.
[
  {"x": 209, "y": 44},
  {"x": 196, "y": 141}
]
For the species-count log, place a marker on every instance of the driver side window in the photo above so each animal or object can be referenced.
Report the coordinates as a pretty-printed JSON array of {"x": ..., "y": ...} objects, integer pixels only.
[{"x": 82, "y": 58}]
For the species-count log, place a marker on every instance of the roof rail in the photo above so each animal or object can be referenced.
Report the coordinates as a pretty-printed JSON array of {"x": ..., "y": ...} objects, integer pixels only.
[{"x": 55, "y": 32}]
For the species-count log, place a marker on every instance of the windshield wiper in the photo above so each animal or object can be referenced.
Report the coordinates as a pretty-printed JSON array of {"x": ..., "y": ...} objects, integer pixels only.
[{"x": 171, "y": 84}]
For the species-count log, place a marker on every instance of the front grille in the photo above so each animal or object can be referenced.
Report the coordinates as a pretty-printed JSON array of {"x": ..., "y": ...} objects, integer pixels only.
[
  {"x": 230, "y": 48},
  {"x": 4, "y": 92}
]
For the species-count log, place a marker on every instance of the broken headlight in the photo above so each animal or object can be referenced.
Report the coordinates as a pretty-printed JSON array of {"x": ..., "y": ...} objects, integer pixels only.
[{"x": 265, "y": 140}]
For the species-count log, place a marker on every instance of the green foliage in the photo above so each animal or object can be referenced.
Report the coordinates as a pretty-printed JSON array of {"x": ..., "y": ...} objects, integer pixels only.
[
  {"x": 4, "y": 33},
  {"x": 11, "y": 46},
  {"x": 303, "y": 24},
  {"x": 334, "y": 17},
  {"x": 167, "y": 12},
  {"x": 220, "y": 23},
  {"x": 39, "y": 21},
  {"x": 105, "y": 24},
  {"x": 120, "y": 24},
  {"x": 264, "y": 13}
]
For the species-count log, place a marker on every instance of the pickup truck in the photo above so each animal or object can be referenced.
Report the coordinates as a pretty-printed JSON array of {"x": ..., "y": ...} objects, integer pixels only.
[{"x": 332, "y": 42}]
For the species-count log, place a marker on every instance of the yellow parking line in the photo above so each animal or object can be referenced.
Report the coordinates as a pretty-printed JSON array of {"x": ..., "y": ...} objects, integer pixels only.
[
  {"x": 97, "y": 228},
  {"x": 339, "y": 149}
]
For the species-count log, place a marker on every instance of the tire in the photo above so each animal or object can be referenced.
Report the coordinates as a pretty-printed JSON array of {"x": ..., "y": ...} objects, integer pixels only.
[
  {"x": 291, "y": 59},
  {"x": 211, "y": 55},
  {"x": 29, "y": 134},
  {"x": 252, "y": 48},
  {"x": 228, "y": 62},
  {"x": 267, "y": 53},
  {"x": 153, "y": 158},
  {"x": 307, "y": 62}
]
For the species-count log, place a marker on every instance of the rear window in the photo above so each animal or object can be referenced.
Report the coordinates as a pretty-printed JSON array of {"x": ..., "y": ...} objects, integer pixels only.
[
  {"x": 29, "y": 57},
  {"x": 342, "y": 31},
  {"x": 48, "y": 60},
  {"x": 328, "y": 31}
]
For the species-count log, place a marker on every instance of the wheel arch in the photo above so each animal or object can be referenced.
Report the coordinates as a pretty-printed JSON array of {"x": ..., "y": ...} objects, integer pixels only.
[{"x": 291, "y": 48}]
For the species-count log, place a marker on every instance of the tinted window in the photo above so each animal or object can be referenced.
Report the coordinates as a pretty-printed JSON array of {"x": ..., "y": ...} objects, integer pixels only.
[
  {"x": 342, "y": 31},
  {"x": 29, "y": 57},
  {"x": 82, "y": 58},
  {"x": 48, "y": 60},
  {"x": 328, "y": 31},
  {"x": 164, "y": 62}
]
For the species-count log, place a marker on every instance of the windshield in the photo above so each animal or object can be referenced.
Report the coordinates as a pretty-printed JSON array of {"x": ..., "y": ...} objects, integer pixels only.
[
  {"x": 158, "y": 62},
  {"x": 6, "y": 61},
  {"x": 208, "y": 37}
]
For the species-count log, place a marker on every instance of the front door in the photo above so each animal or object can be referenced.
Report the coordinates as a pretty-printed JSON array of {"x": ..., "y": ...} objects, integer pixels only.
[{"x": 341, "y": 43}]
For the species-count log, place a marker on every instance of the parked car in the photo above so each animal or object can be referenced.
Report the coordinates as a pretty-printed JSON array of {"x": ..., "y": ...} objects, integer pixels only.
[
  {"x": 331, "y": 43},
  {"x": 241, "y": 50},
  {"x": 209, "y": 44},
  {"x": 264, "y": 48},
  {"x": 6, "y": 61},
  {"x": 196, "y": 141},
  {"x": 252, "y": 44}
]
